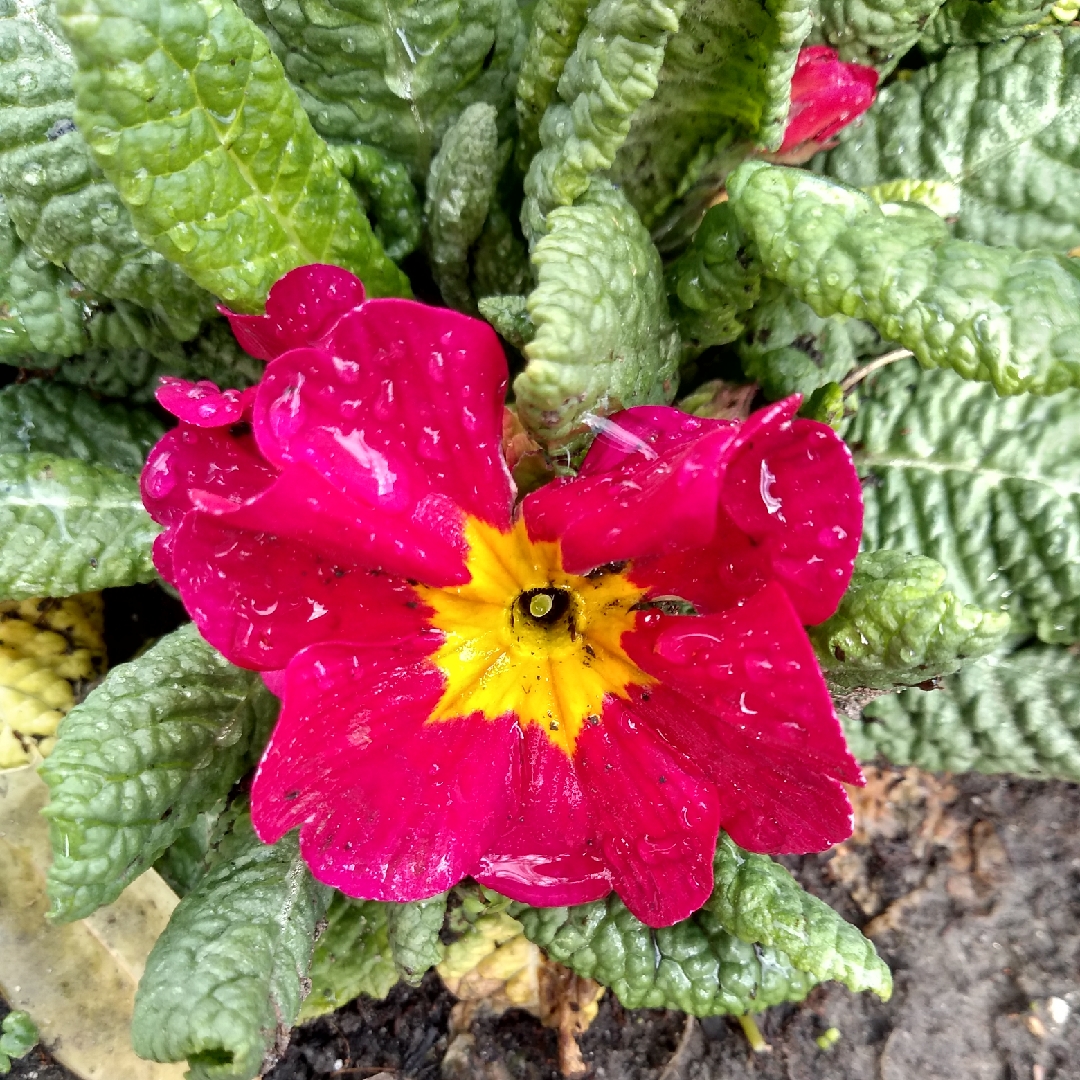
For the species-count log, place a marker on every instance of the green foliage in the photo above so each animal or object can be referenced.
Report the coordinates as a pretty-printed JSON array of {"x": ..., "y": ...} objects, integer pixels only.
[
  {"x": 188, "y": 857},
  {"x": 510, "y": 317},
  {"x": 604, "y": 339},
  {"x": 1004, "y": 316},
  {"x": 611, "y": 72},
  {"x": 726, "y": 77},
  {"x": 1000, "y": 122},
  {"x": 69, "y": 526},
  {"x": 352, "y": 957},
  {"x": 20, "y": 1036},
  {"x": 714, "y": 282},
  {"x": 873, "y": 32},
  {"x": 970, "y": 22},
  {"x": 218, "y": 163},
  {"x": 58, "y": 201},
  {"x": 1018, "y": 714},
  {"x": 36, "y": 417},
  {"x": 460, "y": 188},
  {"x": 500, "y": 262},
  {"x": 988, "y": 487},
  {"x": 387, "y": 194},
  {"x": 163, "y": 739},
  {"x": 413, "y": 931},
  {"x": 826, "y": 406},
  {"x": 395, "y": 74},
  {"x": 224, "y": 982},
  {"x": 898, "y": 625}
]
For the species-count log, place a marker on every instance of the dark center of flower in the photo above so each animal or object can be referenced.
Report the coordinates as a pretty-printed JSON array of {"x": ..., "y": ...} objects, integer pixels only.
[{"x": 545, "y": 608}]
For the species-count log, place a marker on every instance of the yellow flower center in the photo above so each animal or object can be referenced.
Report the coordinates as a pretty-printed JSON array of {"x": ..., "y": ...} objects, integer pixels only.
[{"x": 524, "y": 636}]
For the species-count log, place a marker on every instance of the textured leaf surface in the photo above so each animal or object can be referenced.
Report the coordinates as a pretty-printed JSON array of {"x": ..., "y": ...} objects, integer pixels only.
[
  {"x": 1000, "y": 122},
  {"x": 460, "y": 188},
  {"x": 898, "y": 625},
  {"x": 1017, "y": 714},
  {"x": 756, "y": 899},
  {"x": 604, "y": 339},
  {"x": 223, "y": 984},
  {"x": 162, "y": 739},
  {"x": 352, "y": 957},
  {"x": 395, "y": 74},
  {"x": 58, "y": 200},
  {"x": 500, "y": 261},
  {"x": 873, "y": 32},
  {"x": 1000, "y": 315},
  {"x": 989, "y": 487},
  {"x": 38, "y": 418},
  {"x": 67, "y": 526},
  {"x": 611, "y": 72},
  {"x": 726, "y": 77},
  {"x": 219, "y": 165},
  {"x": 510, "y": 317},
  {"x": 413, "y": 930},
  {"x": 967, "y": 22}
]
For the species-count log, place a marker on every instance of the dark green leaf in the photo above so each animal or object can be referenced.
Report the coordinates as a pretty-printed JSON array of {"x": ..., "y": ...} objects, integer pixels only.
[{"x": 413, "y": 930}]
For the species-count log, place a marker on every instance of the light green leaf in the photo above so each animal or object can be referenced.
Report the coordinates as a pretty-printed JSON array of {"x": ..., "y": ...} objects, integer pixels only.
[
  {"x": 189, "y": 114},
  {"x": 395, "y": 74},
  {"x": 611, "y": 72},
  {"x": 224, "y": 983},
  {"x": 38, "y": 418},
  {"x": 873, "y": 32},
  {"x": 161, "y": 740},
  {"x": 898, "y": 625},
  {"x": 1016, "y": 714},
  {"x": 67, "y": 526},
  {"x": 1001, "y": 123},
  {"x": 1008, "y": 317},
  {"x": 969, "y": 22},
  {"x": 352, "y": 957},
  {"x": 726, "y": 78},
  {"x": 759, "y": 901},
  {"x": 604, "y": 339},
  {"x": 989, "y": 487},
  {"x": 510, "y": 317},
  {"x": 56, "y": 196},
  {"x": 460, "y": 189},
  {"x": 940, "y": 196},
  {"x": 20, "y": 1035},
  {"x": 413, "y": 931}
]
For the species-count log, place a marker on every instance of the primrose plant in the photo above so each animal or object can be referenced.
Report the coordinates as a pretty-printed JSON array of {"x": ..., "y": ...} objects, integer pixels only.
[{"x": 787, "y": 477}]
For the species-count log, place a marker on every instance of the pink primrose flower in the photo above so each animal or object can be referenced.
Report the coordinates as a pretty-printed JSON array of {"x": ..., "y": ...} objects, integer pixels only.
[
  {"x": 826, "y": 95},
  {"x": 471, "y": 687}
]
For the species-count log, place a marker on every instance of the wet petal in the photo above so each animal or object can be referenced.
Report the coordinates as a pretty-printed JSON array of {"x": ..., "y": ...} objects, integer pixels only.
[
  {"x": 389, "y": 807},
  {"x": 826, "y": 96},
  {"x": 202, "y": 403},
  {"x": 548, "y": 853}
]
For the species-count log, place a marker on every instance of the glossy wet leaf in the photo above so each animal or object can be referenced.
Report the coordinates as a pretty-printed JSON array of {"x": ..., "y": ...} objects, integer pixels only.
[
  {"x": 1016, "y": 714},
  {"x": 224, "y": 982},
  {"x": 20, "y": 1034},
  {"x": 219, "y": 166},
  {"x": 900, "y": 625},
  {"x": 1000, "y": 122},
  {"x": 994, "y": 314},
  {"x": 989, "y": 487},
  {"x": 161, "y": 740},
  {"x": 413, "y": 930}
]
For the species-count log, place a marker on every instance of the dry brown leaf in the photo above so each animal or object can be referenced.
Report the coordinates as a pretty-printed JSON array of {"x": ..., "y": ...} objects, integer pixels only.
[{"x": 568, "y": 1003}]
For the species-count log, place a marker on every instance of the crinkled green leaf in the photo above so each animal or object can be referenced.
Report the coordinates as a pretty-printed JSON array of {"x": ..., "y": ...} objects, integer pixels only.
[
  {"x": 460, "y": 189},
  {"x": 695, "y": 965},
  {"x": 604, "y": 339},
  {"x": 352, "y": 957},
  {"x": 553, "y": 33},
  {"x": 224, "y": 982},
  {"x": 989, "y": 487},
  {"x": 940, "y": 196},
  {"x": 1018, "y": 714},
  {"x": 161, "y": 740},
  {"x": 189, "y": 114},
  {"x": 185, "y": 861},
  {"x": 500, "y": 261},
  {"x": 611, "y": 73},
  {"x": 69, "y": 526},
  {"x": 36, "y": 417},
  {"x": 826, "y": 406},
  {"x": 1000, "y": 315},
  {"x": 971, "y": 22},
  {"x": 510, "y": 317},
  {"x": 1002, "y": 123},
  {"x": 395, "y": 74},
  {"x": 387, "y": 193},
  {"x": 898, "y": 625},
  {"x": 759, "y": 901},
  {"x": 726, "y": 76},
  {"x": 714, "y": 282},
  {"x": 58, "y": 200},
  {"x": 20, "y": 1034},
  {"x": 873, "y": 32},
  {"x": 413, "y": 930}
]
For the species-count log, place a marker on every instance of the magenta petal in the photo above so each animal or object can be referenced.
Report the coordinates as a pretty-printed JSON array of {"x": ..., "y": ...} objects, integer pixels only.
[
  {"x": 826, "y": 96},
  {"x": 260, "y": 599},
  {"x": 303, "y": 306},
  {"x": 658, "y": 824},
  {"x": 389, "y": 807},
  {"x": 201, "y": 403},
  {"x": 548, "y": 853}
]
